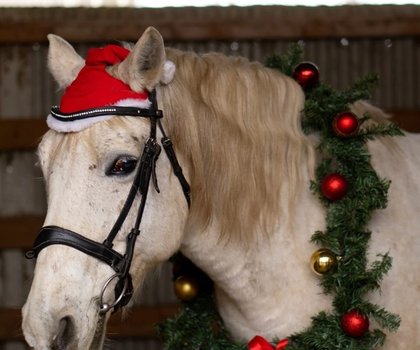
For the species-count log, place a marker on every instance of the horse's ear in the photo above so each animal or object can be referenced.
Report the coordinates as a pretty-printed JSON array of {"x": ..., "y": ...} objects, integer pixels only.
[
  {"x": 143, "y": 67},
  {"x": 63, "y": 61}
]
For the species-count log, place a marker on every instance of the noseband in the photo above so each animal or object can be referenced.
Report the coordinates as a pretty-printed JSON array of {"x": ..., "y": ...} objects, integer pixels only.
[{"x": 146, "y": 171}]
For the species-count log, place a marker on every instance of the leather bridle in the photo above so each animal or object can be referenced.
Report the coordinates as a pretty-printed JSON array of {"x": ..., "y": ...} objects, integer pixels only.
[{"x": 146, "y": 172}]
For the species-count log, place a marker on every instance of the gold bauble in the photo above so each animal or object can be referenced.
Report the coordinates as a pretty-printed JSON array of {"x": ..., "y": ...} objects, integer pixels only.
[
  {"x": 323, "y": 261},
  {"x": 186, "y": 288}
]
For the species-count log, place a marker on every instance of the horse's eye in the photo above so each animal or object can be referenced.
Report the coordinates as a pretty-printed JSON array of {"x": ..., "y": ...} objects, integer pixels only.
[{"x": 122, "y": 166}]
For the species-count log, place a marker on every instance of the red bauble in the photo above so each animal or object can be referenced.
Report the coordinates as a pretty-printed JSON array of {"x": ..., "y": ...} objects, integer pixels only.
[
  {"x": 345, "y": 124},
  {"x": 334, "y": 186},
  {"x": 259, "y": 343},
  {"x": 306, "y": 74},
  {"x": 354, "y": 323}
]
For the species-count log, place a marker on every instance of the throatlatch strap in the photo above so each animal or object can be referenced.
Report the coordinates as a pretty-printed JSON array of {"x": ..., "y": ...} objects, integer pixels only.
[{"x": 169, "y": 150}]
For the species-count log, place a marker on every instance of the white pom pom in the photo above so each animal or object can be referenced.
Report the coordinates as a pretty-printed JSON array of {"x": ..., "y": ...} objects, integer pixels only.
[{"x": 168, "y": 72}]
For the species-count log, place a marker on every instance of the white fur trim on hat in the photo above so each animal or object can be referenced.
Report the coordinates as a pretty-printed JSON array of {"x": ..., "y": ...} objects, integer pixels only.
[
  {"x": 132, "y": 102},
  {"x": 81, "y": 124}
]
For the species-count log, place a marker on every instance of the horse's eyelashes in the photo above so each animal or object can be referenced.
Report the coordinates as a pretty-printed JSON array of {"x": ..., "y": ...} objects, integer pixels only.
[{"x": 122, "y": 165}]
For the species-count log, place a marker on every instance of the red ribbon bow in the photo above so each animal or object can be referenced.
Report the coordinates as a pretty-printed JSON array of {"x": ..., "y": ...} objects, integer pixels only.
[{"x": 259, "y": 343}]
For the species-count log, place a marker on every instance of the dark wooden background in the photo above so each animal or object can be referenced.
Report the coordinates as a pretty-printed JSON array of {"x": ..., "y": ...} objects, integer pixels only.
[{"x": 345, "y": 42}]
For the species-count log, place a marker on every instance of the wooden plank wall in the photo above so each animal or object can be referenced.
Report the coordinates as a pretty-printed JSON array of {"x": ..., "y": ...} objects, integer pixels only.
[{"x": 345, "y": 42}]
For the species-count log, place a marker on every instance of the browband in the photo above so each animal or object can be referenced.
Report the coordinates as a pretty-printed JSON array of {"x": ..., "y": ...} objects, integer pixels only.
[{"x": 109, "y": 110}]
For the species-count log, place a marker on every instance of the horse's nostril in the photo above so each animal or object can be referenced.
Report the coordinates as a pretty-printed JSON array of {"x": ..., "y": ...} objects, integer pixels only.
[{"x": 65, "y": 335}]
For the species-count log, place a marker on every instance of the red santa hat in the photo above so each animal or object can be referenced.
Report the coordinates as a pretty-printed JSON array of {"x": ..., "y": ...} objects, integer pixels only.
[{"x": 88, "y": 98}]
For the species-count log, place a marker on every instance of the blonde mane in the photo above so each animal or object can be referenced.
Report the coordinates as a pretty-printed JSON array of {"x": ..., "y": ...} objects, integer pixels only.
[{"x": 238, "y": 123}]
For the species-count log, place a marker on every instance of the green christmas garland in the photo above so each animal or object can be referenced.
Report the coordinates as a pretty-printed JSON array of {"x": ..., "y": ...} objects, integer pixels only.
[{"x": 199, "y": 327}]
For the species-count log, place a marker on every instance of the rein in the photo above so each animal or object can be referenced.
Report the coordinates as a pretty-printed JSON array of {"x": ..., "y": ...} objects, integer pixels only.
[{"x": 146, "y": 172}]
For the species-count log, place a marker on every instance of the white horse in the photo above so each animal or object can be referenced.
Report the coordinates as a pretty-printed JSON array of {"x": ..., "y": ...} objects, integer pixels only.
[{"x": 236, "y": 130}]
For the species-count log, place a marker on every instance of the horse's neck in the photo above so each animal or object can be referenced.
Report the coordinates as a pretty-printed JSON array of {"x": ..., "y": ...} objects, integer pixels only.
[
  {"x": 268, "y": 288},
  {"x": 260, "y": 284}
]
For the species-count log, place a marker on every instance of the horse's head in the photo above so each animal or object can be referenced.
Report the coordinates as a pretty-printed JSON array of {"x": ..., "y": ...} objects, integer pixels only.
[{"x": 89, "y": 174}]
